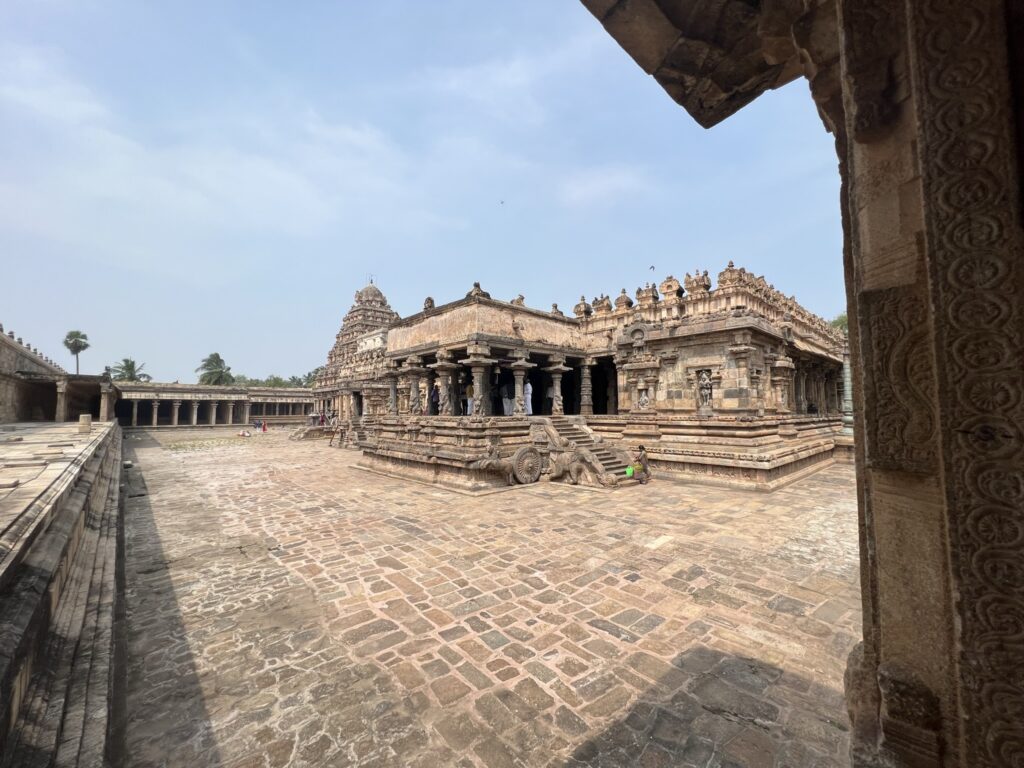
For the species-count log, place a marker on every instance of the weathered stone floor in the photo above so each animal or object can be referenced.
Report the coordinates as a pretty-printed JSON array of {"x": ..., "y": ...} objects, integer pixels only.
[{"x": 287, "y": 609}]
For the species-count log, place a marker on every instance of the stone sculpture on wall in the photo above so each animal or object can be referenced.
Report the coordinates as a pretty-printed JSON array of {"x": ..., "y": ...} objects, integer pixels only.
[{"x": 704, "y": 388}]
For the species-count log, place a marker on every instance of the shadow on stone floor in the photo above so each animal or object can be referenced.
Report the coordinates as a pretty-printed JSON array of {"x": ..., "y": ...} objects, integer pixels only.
[
  {"x": 165, "y": 702},
  {"x": 711, "y": 709}
]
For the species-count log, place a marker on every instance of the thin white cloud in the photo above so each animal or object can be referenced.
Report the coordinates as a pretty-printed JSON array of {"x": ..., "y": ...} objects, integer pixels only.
[
  {"x": 602, "y": 186},
  {"x": 509, "y": 88}
]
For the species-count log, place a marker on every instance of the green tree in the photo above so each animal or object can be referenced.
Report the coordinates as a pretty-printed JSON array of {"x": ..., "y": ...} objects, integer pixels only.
[
  {"x": 310, "y": 378},
  {"x": 76, "y": 342},
  {"x": 129, "y": 370},
  {"x": 273, "y": 380},
  {"x": 296, "y": 381},
  {"x": 840, "y": 322},
  {"x": 213, "y": 370}
]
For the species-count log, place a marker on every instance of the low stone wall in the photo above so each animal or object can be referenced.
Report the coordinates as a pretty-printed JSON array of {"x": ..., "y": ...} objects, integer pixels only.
[
  {"x": 61, "y": 598},
  {"x": 756, "y": 453}
]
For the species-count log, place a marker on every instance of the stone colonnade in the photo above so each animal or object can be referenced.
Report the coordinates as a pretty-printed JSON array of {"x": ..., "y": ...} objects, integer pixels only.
[{"x": 180, "y": 412}]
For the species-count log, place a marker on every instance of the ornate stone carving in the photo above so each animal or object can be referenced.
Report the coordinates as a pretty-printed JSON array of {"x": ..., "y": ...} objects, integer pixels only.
[
  {"x": 477, "y": 292},
  {"x": 519, "y": 301},
  {"x": 971, "y": 186},
  {"x": 527, "y": 464},
  {"x": 704, "y": 388},
  {"x": 583, "y": 309},
  {"x": 873, "y": 36},
  {"x": 700, "y": 283},
  {"x": 428, "y": 303},
  {"x": 901, "y": 416},
  {"x": 622, "y": 301}
]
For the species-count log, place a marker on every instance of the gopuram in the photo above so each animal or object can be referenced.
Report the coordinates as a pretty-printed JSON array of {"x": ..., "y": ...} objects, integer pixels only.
[{"x": 733, "y": 384}]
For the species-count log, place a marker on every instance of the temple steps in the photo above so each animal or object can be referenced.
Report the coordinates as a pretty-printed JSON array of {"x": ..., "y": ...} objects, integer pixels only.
[{"x": 574, "y": 433}]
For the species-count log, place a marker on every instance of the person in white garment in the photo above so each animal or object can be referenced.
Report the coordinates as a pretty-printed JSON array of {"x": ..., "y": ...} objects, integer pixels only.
[{"x": 528, "y": 397}]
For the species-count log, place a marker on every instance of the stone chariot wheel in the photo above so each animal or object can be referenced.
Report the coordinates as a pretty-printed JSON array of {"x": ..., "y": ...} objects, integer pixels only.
[{"x": 526, "y": 465}]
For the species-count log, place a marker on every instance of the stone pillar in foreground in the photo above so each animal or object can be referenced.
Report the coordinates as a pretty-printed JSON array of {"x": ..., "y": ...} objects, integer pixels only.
[
  {"x": 135, "y": 413},
  {"x": 247, "y": 412},
  {"x": 230, "y": 408},
  {"x": 156, "y": 412},
  {"x": 195, "y": 412},
  {"x": 213, "y": 412},
  {"x": 175, "y": 408}
]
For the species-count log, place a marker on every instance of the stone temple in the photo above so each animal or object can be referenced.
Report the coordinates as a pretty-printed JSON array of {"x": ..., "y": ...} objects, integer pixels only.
[
  {"x": 174, "y": 594},
  {"x": 733, "y": 383}
]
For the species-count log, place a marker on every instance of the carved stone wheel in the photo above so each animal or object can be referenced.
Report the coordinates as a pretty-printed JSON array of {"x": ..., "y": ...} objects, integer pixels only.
[{"x": 526, "y": 465}]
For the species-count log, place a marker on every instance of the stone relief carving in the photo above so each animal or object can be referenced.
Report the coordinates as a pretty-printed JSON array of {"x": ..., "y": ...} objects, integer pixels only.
[
  {"x": 901, "y": 426},
  {"x": 969, "y": 176},
  {"x": 704, "y": 388},
  {"x": 872, "y": 42}
]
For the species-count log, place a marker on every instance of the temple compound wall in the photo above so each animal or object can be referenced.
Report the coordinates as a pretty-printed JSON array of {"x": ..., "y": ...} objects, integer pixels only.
[
  {"x": 33, "y": 388},
  {"x": 736, "y": 384}
]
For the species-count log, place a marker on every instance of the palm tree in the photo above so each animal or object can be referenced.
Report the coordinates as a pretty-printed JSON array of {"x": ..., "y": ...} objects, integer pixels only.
[
  {"x": 129, "y": 370},
  {"x": 76, "y": 342},
  {"x": 213, "y": 370}
]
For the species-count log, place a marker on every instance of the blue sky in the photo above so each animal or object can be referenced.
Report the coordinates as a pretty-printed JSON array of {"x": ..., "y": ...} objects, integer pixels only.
[{"x": 189, "y": 177}]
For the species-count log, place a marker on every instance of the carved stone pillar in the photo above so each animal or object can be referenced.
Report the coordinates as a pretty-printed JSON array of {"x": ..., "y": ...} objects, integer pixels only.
[
  {"x": 481, "y": 403},
  {"x": 213, "y": 412},
  {"x": 106, "y": 396},
  {"x": 555, "y": 370},
  {"x": 156, "y": 412},
  {"x": 247, "y": 412},
  {"x": 557, "y": 406},
  {"x": 230, "y": 412},
  {"x": 61, "y": 414},
  {"x": 175, "y": 406},
  {"x": 135, "y": 413},
  {"x": 847, "y": 394},
  {"x": 195, "y": 413},
  {"x": 586, "y": 388},
  {"x": 445, "y": 369}
]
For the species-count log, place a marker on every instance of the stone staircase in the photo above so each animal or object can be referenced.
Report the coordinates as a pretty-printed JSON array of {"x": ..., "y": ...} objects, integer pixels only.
[
  {"x": 70, "y": 601},
  {"x": 612, "y": 461}
]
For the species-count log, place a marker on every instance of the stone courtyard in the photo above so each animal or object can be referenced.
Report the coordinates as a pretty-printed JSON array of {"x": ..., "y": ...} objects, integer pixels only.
[{"x": 285, "y": 608}]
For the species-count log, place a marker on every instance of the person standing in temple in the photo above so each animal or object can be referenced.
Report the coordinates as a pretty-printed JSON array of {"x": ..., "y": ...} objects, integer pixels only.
[
  {"x": 469, "y": 399},
  {"x": 528, "y": 397},
  {"x": 435, "y": 399},
  {"x": 549, "y": 398},
  {"x": 645, "y": 466},
  {"x": 508, "y": 398}
]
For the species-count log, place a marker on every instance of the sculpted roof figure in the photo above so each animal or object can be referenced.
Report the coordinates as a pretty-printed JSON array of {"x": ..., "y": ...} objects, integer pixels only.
[{"x": 476, "y": 290}]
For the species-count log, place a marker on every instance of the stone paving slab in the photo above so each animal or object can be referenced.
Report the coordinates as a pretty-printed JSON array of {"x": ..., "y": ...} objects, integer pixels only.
[{"x": 288, "y": 609}]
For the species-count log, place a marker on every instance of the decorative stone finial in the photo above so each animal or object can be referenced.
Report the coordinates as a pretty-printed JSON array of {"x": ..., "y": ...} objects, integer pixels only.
[
  {"x": 556, "y": 311},
  {"x": 623, "y": 301},
  {"x": 477, "y": 291},
  {"x": 428, "y": 303},
  {"x": 519, "y": 301}
]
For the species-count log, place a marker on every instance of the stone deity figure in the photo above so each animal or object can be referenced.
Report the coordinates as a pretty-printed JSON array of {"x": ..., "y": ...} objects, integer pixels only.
[
  {"x": 644, "y": 401},
  {"x": 704, "y": 388}
]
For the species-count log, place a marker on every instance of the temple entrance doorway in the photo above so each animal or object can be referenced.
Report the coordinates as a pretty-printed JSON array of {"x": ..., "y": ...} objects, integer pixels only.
[{"x": 604, "y": 387}]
